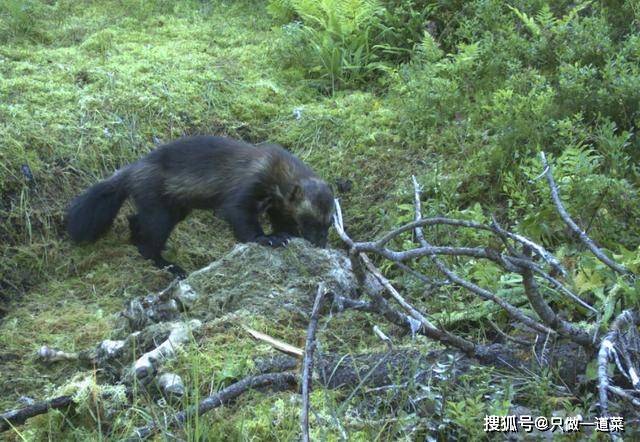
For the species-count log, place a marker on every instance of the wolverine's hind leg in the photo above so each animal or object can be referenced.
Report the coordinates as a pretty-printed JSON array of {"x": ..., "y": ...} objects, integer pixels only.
[
  {"x": 150, "y": 229},
  {"x": 134, "y": 229}
]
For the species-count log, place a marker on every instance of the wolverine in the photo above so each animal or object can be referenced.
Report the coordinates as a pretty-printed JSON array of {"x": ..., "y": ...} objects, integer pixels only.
[{"x": 239, "y": 181}]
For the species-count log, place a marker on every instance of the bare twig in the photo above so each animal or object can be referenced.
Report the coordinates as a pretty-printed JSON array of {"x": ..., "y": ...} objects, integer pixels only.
[
  {"x": 417, "y": 207},
  {"x": 537, "y": 248},
  {"x": 513, "y": 311},
  {"x": 386, "y": 339},
  {"x": 414, "y": 316},
  {"x": 307, "y": 365},
  {"x": 428, "y": 327},
  {"x": 414, "y": 320},
  {"x": 623, "y": 394},
  {"x": 440, "y": 264},
  {"x": 503, "y": 235},
  {"x": 423, "y": 222},
  {"x": 415, "y": 313},
  {"x": 275, "y": 343},
  {"x": 573, "y": 226},
  {"x": 277, "y": 381},
  {"x": 344, "y": 302},
  {"x": 510, "y": 263},
  {"x": 522, "y": 342},
  {"x": 425, "y": 250},
  {"x": 526, "y": 263},
  {"x": 546, "y": 313},
  {"x": 483, "y": 293},
  {"x": 613, "y": 344},
  {"x": 19, "y": 416}
]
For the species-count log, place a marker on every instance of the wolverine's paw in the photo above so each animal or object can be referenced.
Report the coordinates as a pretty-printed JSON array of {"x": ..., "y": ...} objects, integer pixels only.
[
  {"x": 278, "y": 240},
  {"x": 172, "y": 268},
  {"x": 176, "y": 271}
]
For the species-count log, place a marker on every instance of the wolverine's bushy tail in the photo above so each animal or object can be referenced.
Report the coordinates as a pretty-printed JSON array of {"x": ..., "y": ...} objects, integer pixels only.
[{"x": 91, "y": 213}]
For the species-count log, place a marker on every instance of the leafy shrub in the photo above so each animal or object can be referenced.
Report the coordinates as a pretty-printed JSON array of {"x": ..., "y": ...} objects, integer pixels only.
[
  {"x": 402, "y": 27},
  {"x": 19, "y": 18},
  {"x": 503, "y": 81},
  {"x": 334, "y": 40}
]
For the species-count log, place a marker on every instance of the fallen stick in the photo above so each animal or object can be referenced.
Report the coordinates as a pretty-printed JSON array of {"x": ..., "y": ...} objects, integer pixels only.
[
  {"x": 275, "y": 343},
  {"x": 307, "y": 366},
  {"x": 19, "y": 416},
  {"x": 573, "y": 226},
  {"x": 278, "y": 381}
]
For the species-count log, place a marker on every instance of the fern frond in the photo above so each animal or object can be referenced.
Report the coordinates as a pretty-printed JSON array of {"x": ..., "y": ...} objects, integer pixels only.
[{"x": 527, "y": 21}]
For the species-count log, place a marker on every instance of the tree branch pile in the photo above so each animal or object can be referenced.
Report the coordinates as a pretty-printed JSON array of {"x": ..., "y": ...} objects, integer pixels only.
[
  {"x": 519, "y": 255},
  {"x": 158, "y": 325}
]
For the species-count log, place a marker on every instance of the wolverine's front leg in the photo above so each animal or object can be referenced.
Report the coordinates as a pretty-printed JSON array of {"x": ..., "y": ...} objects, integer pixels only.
[
  {"x": 282, "y": 225},
  {"x": 246, "y": 225}
]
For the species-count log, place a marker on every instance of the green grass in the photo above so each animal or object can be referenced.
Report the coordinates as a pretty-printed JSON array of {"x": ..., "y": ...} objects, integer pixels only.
[{"x": 89, "y": 87}]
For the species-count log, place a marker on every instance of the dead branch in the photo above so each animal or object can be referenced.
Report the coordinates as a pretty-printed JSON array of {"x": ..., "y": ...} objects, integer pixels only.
[
  {"x": 520, "y": 260},
  {"x": 48, "y": 354},
  {"x": 528, "y": 264},
  {"x": 10, "y": 419},
  {"x": 383, "y": 337},
  {"x": 623, "y": 394},
  {"x": 414, "y": 320},
  {"x": 307, "y": 365},
  {"x": 425, "y": 250},
  {"x": 277, "y": 382},
  {"x": 171, "y": 385},
  {"x": 148, "y": 364},
  {"x": 546, "y": 313},
  {"x": 512, "y": 261},
  {"x": 622, "y": 341},
  {"x": 275, "y": 343},
  {"x": 469, "y": 251},
  {"x": 531, "y": 289},
  {"x": 573, "y": 226},
  {"x": 522, "y": 342},
  {"x": 537, "y": 248},
  {"x": 428, "y": 328},
  {"x": 344, "y": 302},
  {"x": 513, "y": 311},
  {"x": 414, "y": 315}
]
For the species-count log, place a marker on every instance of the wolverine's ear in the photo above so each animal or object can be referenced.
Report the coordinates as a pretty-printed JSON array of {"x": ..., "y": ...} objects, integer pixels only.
[{"x": 296, "y": 194}]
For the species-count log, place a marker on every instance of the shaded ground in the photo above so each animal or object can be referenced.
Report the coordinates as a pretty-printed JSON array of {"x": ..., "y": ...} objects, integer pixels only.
[{"x": 268, "y": 289}]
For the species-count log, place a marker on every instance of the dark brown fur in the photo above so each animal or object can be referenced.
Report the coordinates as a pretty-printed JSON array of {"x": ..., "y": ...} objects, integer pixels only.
[{"x": 236, "y": 179}]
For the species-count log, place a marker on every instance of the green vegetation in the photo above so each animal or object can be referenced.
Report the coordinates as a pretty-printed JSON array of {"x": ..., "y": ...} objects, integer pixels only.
[{"x": 462, "y": 94}]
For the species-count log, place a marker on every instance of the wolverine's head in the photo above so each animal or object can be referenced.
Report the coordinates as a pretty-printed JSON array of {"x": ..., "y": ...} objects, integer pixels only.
[{"x": 309, "y": 204}]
